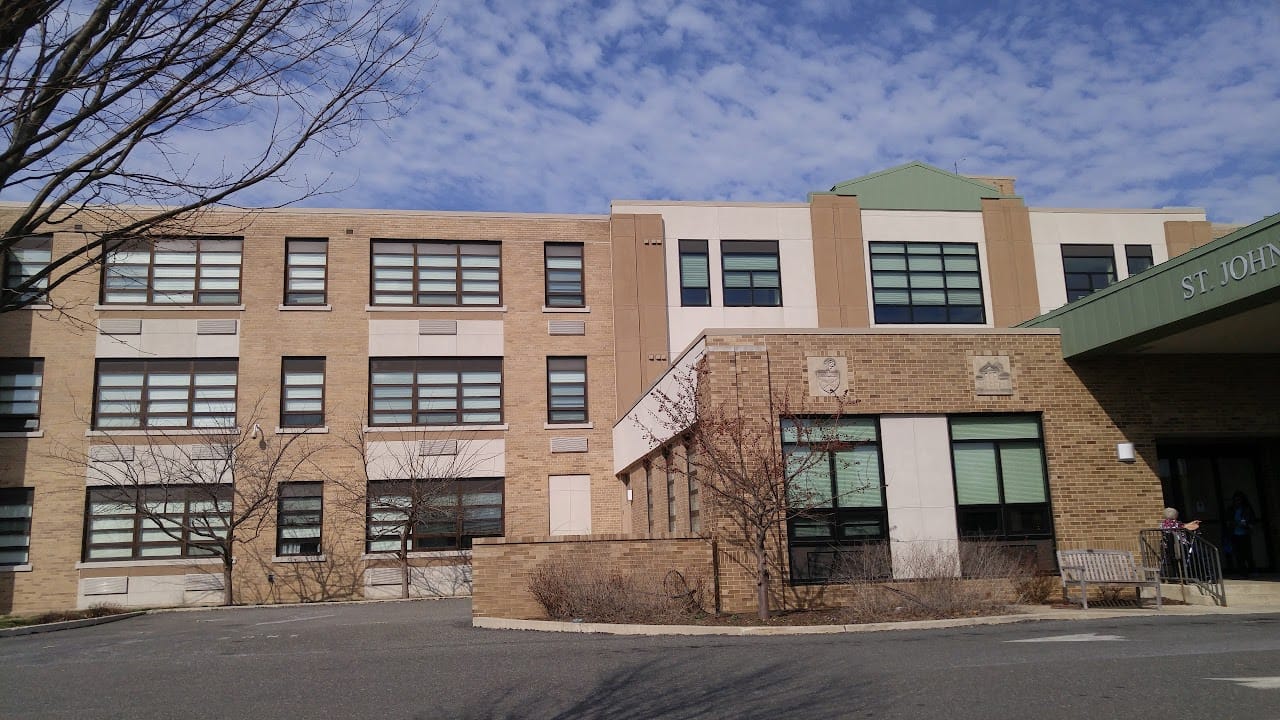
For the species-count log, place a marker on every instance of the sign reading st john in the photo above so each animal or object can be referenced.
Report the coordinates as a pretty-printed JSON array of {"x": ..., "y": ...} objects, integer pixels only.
[{"x": 1235, "y": 269}]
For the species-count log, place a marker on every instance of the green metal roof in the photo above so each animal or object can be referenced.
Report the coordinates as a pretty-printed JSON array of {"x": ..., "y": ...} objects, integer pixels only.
[
  {"x": 1232, "y": 274},
  {"x": 916, "y": 186}
]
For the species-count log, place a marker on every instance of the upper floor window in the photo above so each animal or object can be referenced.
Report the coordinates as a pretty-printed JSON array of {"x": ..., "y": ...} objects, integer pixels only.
[
  {"x": 695, "y": 274},
  {"x": 298, "y": 518},
  {"x": 1087, "y": 268},
  {"x": 433, "y": 514},
  {"x": 926, "y": 283},
  {"x": 1138, "y": 258},
  {"x": 566, "y": 390},
  {"x": 144, "y": 523},
  {"x": 751, "y": 274},
  {"x": 15, "y": 526},
  {"x": 564, "y": 275},
  {"x": 174, "y": 271},
  {"x": 435, "y": 391},
  {"x": 20, "y": 383},
  {"x": 22, "y": 262},
  {"x": 436, "y": 273},
  {"x": 301, "y": 392},
  {"x": 165, "y": 394},
  {"x": 306, "y": 270}
]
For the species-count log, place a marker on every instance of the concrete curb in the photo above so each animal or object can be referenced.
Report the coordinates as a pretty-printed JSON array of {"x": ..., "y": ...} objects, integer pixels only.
[
  {"x": 490, "y": 623},
  {"x": 322, "y": 603},
  {"x": 67, "y": 624}
]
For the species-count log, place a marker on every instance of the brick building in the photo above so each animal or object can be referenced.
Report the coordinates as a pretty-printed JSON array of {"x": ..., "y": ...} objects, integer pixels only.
[{"x": 510, "y": 356}]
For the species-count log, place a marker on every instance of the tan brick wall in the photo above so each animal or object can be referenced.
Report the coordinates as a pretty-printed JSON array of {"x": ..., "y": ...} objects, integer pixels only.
[
  {"x": 66, "y": 339},
  {"x": 503, "y": 568}
]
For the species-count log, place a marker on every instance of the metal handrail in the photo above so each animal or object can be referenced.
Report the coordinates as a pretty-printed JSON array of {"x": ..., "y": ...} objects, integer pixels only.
[{"x": 1184, "y": 558}]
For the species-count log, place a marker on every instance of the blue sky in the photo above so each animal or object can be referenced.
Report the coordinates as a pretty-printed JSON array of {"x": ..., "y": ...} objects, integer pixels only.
[{"x": 560, "y": 107}]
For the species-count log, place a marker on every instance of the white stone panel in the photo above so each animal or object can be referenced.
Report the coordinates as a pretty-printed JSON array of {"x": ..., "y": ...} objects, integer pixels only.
[
  {"x": 919, "y": 492},
  {"x": 445, "y": 580},
  {"x": 401, "y": 338},
  {"x": 151, "y": 591},
  {"x": 569, "y": 499},
  {"x": 169, "y": 338},
  {"x": 400, "y": 459}
]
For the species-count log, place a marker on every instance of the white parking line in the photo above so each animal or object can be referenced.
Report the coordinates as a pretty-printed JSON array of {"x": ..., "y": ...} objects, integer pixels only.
[
  {"x": 278, "y": 622},
  {"x": 1083, "y": 637},
  {"x": 1257, "y": 683}
]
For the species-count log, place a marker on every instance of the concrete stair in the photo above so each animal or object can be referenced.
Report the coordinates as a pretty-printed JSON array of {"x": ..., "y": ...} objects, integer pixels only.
[{"x": 1263, "y": 594}]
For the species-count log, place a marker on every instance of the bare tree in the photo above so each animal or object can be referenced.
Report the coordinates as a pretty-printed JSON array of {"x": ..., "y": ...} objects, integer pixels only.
[
  {"x": 762, "y": 461},
  {"x": 189, "y": 496},
  {"x": 420, "y": 494},
  {"x": 103, "y": 101}
]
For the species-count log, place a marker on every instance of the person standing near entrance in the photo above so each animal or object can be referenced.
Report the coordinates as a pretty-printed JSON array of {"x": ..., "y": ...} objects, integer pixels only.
[
  {"x": 1238, "y": 543},
  {"x": 1175, "y": 560}
]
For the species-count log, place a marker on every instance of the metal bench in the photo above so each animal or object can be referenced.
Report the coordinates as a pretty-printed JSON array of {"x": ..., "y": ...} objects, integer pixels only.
[{"x": 1105, "y": 567}]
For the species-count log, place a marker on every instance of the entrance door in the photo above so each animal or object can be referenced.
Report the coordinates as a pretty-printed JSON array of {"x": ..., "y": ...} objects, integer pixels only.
[{"x": 1200, "y": 481}]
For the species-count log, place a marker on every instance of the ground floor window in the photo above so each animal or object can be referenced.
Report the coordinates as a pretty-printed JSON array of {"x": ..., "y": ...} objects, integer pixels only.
[
  {"x": 15, "y": 526},
  {"x": 433, "y": 514},
  {"x": 1002, "y": 492},
  {"x": 298, "y": 518},
  {"x": 131, "y": 523},
  {"x": 838, "y": 521}
]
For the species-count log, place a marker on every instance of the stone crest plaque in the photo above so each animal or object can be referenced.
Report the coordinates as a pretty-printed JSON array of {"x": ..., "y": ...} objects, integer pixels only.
[
  {"x": 828, "y": 376},
  {"x": 992, "y": 375}
]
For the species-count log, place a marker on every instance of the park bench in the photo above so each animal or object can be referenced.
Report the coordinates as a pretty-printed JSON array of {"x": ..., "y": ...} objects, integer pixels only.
[{"x": 1105, "y": 567}]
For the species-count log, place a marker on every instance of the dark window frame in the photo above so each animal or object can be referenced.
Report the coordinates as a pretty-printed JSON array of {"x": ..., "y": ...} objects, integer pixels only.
[
  {"x": 418, "y": 365},
  {"x": 166, "y": 366},
  {"x": 952, "y": 313},
  {"x": 18, "y": 528},
  {"x": 836, "y": 517},
  {"x": 15, "y": 367},
  {"x": 295, "y": 297},
  {"x": 733, "y": 249},
  {"x": 691, "y": 475},
  {"x": 558, "y": 297},
  {"x": 198, "y": 296},
  {"x": 692, "y": 295},
  {"x": 1087, "y": 281},
  {"x": 568, "y": 363},
  {"x": 1135, "y": 254},
  {"x": 295, "y": 517},
  {"x": 302, "y": 365},
  {"x": 188, "y": 543},
  {"x": 965, "y": 513},
  {"x": 422, "y": 538},
  {"x": 416, "y": 294}
]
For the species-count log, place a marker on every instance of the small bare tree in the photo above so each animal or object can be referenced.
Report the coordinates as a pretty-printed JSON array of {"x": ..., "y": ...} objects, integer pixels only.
[
  {"x": 105, "y": 105},
  {"x": 409, "y": 492},
  {"x": 208, "y": 494},
  {"x": 761, "y": 460}
]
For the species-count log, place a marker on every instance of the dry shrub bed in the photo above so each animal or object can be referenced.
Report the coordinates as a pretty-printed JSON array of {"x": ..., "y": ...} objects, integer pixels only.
[
  {"x": 595, "y": 593},
  {"x": 61, "y": 616}
]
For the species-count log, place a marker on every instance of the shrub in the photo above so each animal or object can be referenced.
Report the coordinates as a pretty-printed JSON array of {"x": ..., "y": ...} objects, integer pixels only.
[{"x": 597, "y": 593}]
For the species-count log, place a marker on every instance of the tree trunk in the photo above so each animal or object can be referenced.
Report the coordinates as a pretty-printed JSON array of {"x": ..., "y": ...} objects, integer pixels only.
[
  {"x": 762, "y": 578},
  {"x": 228, "y": 595},
  {"x": 404, "y": 567}
]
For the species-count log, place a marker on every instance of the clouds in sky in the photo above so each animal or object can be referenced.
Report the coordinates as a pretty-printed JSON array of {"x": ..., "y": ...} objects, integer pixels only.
[{"x": 560, "y": 107}]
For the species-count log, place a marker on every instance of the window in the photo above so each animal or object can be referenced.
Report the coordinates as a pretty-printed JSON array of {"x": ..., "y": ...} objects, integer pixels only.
[
  {"x": 174, "y": 271},
  {"x": 433, "y": 514},
  {"x": 671, "y": 493},
  {"x": 926, "y": 283},
  {"x": 566, "y": 390},
  {"x": 24, "y": 259},
  {"x": 131, "y": 523},
  {"x": 751, "y": 275},
  {"x": 564, "y": 275},
  {"x": 305, "y": 271},
  {"x": 648, "y": 497},
  {"x": 301, "y": 508},
  {"x": 20, "y": 383},
  {"x": 435, "y": 391},
  {"x": 1001, "y": 493},
  {"x": 1087, "y": 268},
  {"x": 838, "y": 496},
  {"x": 301, "y": 392},
  {"x": 15, "y": 526},
  {"x": 695, "y": 504},
  {"x": 165, "y": 394},
  {"x": 436, "y": 273},
  {"x": 1138, "y": 258},
  {"x": 695, "y": 274}
]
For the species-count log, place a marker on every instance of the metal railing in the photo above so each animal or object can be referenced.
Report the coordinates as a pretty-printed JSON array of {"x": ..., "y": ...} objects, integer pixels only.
[{"x": 1184, "y": 558}]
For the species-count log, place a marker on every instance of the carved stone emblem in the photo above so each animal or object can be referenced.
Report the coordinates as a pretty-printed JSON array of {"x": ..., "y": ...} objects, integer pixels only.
[
  {"x": 828, "y": 376},
  {"x": 992, "y": 375}
]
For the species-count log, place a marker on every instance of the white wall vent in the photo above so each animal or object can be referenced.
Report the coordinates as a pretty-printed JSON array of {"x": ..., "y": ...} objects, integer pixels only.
[
  {"x": 568, "y": 444},
  {"x": 120, "y": 326},
  {"x": 382, "y": 576},
  {"x": 438, "y": 447},
  {"x": 203, "y": 582},
  {"x": 111, "y": 453},
  {"x": 216, "y": 327},
  {"x": 437, "y": 327},
  {"x": 566, "y": 327},
  {"x": 104, "y": 586}
]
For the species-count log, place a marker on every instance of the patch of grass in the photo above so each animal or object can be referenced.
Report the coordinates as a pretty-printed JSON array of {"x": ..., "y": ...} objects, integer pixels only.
[{"x": 53, "y": 616}]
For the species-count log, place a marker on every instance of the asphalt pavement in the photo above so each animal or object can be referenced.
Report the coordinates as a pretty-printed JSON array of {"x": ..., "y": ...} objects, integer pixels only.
[{"x": 424, "y": 660}]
